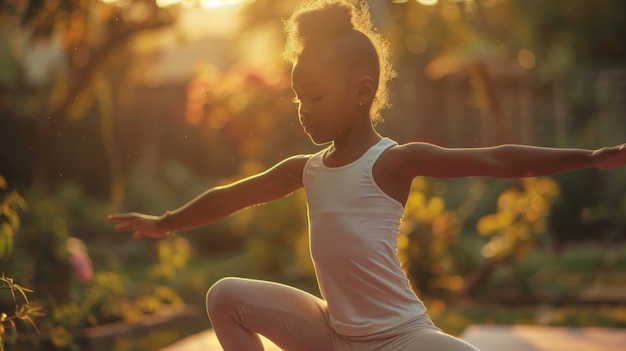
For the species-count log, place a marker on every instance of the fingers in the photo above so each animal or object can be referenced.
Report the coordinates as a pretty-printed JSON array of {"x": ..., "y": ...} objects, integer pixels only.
[
  {"x": 130, "y": 227},
  {"x": 125, "y": 227},
  {"x": 610, "y": 157},
  {"x": 138, "y": 224},
  {"x": 122, "y": 217},
  {"x": 128, "y": 223}
]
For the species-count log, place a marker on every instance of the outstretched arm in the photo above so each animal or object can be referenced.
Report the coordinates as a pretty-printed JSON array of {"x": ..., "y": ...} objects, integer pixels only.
[
  {"x": 504, "y": 161},
  {"x": 219, "y": 202}
]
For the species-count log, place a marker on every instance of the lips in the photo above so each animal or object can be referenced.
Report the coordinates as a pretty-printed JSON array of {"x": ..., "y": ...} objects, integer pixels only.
[{"x": 309, "y": 128}]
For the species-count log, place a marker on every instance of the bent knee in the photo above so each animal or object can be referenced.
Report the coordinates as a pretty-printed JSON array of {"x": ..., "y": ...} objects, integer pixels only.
[{"x": 222, "y": 292}]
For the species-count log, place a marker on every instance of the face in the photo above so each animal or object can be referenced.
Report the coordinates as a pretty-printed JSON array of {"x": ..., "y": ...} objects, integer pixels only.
[{"x": 326, "y": 100}]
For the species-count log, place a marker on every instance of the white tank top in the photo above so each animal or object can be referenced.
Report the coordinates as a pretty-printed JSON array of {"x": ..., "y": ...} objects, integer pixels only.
[{"x": 353, "y": 228}]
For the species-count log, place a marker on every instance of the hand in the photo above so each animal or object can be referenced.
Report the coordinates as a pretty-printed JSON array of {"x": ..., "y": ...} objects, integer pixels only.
[
  {"x": 609, "y": 157},
  {"x": 140, "y": 224}
]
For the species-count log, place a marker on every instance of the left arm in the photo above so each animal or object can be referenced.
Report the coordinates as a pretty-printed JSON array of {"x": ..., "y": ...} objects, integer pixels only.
[{"x": 504, "y": 161}]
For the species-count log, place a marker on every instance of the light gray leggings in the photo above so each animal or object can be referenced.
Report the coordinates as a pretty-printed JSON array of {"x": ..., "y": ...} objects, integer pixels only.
[{"x": 294, "y": 320}]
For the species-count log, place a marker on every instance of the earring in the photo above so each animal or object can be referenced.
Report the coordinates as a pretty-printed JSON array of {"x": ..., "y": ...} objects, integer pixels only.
[{"x": 360, "y": 103}]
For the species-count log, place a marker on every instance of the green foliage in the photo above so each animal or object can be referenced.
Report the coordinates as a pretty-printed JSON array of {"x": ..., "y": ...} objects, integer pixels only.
[
  {"x": 607, "y": 316},
  {"x": 234, "y": 121},
  {"x": 440, "y": 261},
  {"x": 428, "y": 240},
  {"x": 521, "y": 216},
  {"x": 43, "y": 257},
  {"x": 10, "y": 205},
  {"x": 111, "y": 297},
  {"x": 276, "y": 237},
  {"x": 455, "y": 318},
  {"x": 12, "y": 202},
  {"x": 23, "y": 311},
  {"x": 174, "y": 253}
]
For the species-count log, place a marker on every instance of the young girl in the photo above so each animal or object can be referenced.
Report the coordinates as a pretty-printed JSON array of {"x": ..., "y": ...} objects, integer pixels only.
[{"x": 356, "y": 190}]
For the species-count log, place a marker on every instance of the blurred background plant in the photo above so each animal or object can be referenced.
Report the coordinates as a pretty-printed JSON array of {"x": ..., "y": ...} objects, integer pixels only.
[
  {"x": 10, "y": 207},
  {"x": 110, "y": 105},
  {"x": 75, "y": 288}
]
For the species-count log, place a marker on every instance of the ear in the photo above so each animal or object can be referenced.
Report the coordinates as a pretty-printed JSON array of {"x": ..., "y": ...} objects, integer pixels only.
[{"x": 366, "y": 90}]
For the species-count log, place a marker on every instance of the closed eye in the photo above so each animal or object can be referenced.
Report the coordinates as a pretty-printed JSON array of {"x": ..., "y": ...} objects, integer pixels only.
[{"x": 297, "y": 101}]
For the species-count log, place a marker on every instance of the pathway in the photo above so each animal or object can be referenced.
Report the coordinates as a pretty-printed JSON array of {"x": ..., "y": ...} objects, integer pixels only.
[{"x": 484, "y": 337}]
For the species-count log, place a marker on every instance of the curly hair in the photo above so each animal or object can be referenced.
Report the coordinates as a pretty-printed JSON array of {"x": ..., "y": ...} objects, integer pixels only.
[{"x": 347, "y": 26}]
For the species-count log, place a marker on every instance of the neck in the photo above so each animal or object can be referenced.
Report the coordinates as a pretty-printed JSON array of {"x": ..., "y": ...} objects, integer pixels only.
[{"x": 352, "y": 144}]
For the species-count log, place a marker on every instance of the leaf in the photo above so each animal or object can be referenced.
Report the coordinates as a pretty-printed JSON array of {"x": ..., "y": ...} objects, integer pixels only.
[
  {"x": 3, "y": 183},
  {"x": 30, "y": 320},
  {"x": 22, "y": 291},
  {"x": 6, "y": 239},
  {"x": 436, "y": 205},
  {"x": 8, "y": 246},
  {"x": 21, "y": 203},
  {"x": 11, "y": 215},
  {"x": 2, "y": 243},
  {"x": 1, "y": 339},
  {"x": 7, "y": 229},
  {"x": 487, "y": 225},
  {"x": 13, "y": 336},
  {"x": 15, "y": 200}
]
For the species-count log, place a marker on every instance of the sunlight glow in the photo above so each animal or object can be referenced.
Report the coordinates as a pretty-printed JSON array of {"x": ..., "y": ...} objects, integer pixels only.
[
  {"x": 428, "y": 2},
  {"x": 166, "y": 3},
  {"x": 210, "y": 4},
  {"x": 206, "y": 4}
]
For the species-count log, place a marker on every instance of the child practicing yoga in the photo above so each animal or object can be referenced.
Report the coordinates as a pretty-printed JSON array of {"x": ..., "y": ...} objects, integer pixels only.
[{"x": 356, "y": 190}]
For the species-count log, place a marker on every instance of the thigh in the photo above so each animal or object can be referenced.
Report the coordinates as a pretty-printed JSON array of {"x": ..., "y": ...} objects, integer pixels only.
[
  {"x": 433, "y": 340},
  {"x": 293, "y": 319},
  {"x": 418, "y": 334}
]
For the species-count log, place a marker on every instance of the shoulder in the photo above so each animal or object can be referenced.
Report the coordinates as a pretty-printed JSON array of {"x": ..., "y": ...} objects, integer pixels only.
[
  {"x": 398, "y": 165},
  {"x": 413, "y": 159},
  {"x": 292, "y": 167},
  {"x": 401, "y": 154}
]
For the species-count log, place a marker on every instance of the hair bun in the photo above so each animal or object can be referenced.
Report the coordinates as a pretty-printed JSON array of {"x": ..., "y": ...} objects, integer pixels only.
[
  {"x": 332, "y": 20},
  {"x": 346, "y": 27}
]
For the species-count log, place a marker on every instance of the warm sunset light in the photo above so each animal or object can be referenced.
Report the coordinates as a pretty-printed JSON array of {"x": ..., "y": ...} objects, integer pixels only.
[
  {"x": 428, "y": 2},
  {"x": 141, "y": 142},
  {"x": 422, "y": 2},
  {"x": 207, "y": 4}
]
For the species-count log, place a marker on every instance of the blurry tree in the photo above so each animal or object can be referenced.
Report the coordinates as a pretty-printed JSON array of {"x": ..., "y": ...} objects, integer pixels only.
[
  {"x": 240, "y": 117},
  {"x": 576, "y": 32},
  {"x": 540, "y": 48},
  {"x": 537, "y": 47},
  {"x": 57, "y": 54}
]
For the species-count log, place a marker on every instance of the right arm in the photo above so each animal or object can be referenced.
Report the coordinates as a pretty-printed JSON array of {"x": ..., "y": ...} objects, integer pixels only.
[{"x": 217, "y": 203}]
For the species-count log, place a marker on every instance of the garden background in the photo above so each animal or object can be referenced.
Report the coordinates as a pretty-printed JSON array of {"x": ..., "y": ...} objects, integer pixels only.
[{"x": 139, "y": 105}]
